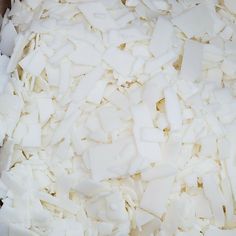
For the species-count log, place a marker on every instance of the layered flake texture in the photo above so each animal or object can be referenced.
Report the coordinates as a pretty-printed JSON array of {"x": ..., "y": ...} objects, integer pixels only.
[{"x": 117, "y": 118}]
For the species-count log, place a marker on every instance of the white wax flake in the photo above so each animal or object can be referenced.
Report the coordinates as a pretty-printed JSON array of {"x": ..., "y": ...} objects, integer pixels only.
[
  {"x": 228, "y": 66},
  {"x": 141, "y": 116},
  {"x": 120, "y": 61},
  {"x": 85, "y": 54},
  {"x": 107, "y": 162},
  {"x": 96, "y": 93},
  {"x": 117, "y": 117},
  {"x": 162, "y": 170},
  {"x": 65, "y": 68},
  {"x": 90, "y": 188},
  {"x": 4, "y": 60},
  {"x": 34, "y": 62},
  {"x": 6, "y": 153},
  {"x": 46, "y": 108},
  {"x": 215, "y": 198},
  {"x": 62, "y": 203},
  {"x": 15, "y": 229},
  {"x": 162, "y": 37},
  {"x": 33, "y": 3},
  {"x": 32, "y": 138},
  {"x": 153, "y": 135},
  {"x": 109, "y": 118},
  {"x": 10, "y": 109},
  {"x": 53, "y": 75},
  {"x": 142, "y": 217},
  {"x": 154, "y": 66},
  {"x": 97, "y": 15},
  {"x": 195, "y": 22},
  {"x": 231, "y": 5},
  {"x": 8, "y": 37},
  {"x": 20, "y": 43},
  {"x": 61, "y": 52},
  {"x": 202, "y": 208},
  {"x": 66, "y": 124},
  {"x": 193, "y": 232},
  {"x": 219, "y": 232},
  {"x": 173, "y": 110},
  {"x": 155, "y": 197},
  {"x": 191, "y": 67},
  {"x": 86, "y": 84}
]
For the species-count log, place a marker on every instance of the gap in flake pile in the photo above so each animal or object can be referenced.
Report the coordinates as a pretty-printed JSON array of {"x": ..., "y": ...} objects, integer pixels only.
[{"x": 118, "y": 118}]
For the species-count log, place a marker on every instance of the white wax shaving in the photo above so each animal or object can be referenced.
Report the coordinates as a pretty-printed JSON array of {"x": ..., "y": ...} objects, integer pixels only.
[{"x": 118, "y": 118}]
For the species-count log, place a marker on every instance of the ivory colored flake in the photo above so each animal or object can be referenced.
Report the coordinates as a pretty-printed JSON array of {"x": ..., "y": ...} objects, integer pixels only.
[
  {"x": 6, "y": 152},
  {"x": 202, "y": 207},
  {"x": 214, "y": 195},
  {"x": 161, "y": 41},
  {"x": 66, "y": 124},
  {"x": 162, "y": 170},
  {"x": 46, "y": 109},
  {"x": 231, "y": 5},
  {"x": 191, "y": 68},
  {"x": 86, "y": 84},
  {"x": 33, "y": 3},
  {"x": 8, "y": 37},
  {"x": 97, "y": 15},
  {"x": 33, "y": 136},
  {"x": 65, "y": 77},
  {"x": 219, "y": 232},
  {"x": 196, "y": 21},
  {"x": 173, "y": 110},
  {"x": 193, "y": 232},
  {"x": 106, "y": 161},
  {"x": 18, "y": 230},
  {"x": 153, "y": 135},
  {"x": 4, "y": 60},
  {"x": 120, "y": 61},
  {"x": 34, "y": 62},
  {"x": 85, "y": 54},
  {"x": 20, "y": 43},
  {"x": 156, "y": 195},
  {"x": 142, "y": 217},
  {"x": 141, "y": 116},
  {"x": 53, "y": 74},
  {"x": 96, "y": 94}
]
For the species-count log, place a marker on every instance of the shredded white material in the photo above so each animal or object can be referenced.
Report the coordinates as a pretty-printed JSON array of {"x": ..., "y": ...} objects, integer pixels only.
[{"x": 118, "y": 118}]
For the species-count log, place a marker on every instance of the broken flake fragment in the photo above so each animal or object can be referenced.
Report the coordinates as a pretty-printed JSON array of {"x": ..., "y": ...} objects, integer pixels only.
[
  {"x": 97, "y": 15},
  {"x": 156, "y": 195},
  {"x": 161, "y": 41},
  {"x": 8, "y": 37},
  {"x": 173, "y": 110},
  {"x": 120, "y": 61},
  {"x": 142, "y": 118},
  {"x": 195, "y": 22},
  {"x": 106, "y": 161},
  {"x": 34, "y": 62},
  {"x": 191, "y": 68}
]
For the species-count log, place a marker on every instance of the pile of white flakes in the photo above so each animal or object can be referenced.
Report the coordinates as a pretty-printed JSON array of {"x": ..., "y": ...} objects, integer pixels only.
[{"x": 118, "y": 118}]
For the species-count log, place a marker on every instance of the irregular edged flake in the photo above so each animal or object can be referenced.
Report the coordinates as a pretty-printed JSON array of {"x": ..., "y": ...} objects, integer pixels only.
[
  {"x": 85, "y": 54},
  {"x": 34, "y": 62},
  {"x": 8, "y": 37},
  {"x": 107, "y": 162},
  {"x": 196, "y": 21},
  {"x": 162, "y": 37},
  {"x": 142, "y": 118},
  {"x": 191, "y": 68},
  {"x": 120, "y": 61},
  {"x": 97, "y": 15},
  {"x": 155, "y": 197},
  {"x": 173, "y": 110}
]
